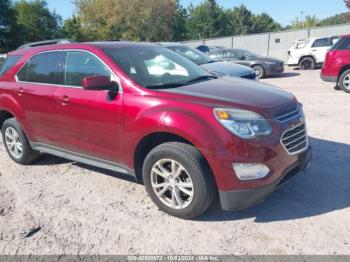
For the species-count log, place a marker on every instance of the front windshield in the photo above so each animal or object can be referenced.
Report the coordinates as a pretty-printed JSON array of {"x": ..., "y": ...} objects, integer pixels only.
[
  {"x": 192, "y": 54},
  {"x": 155, "y": 66},
  {"x": 247, "y": 54}
]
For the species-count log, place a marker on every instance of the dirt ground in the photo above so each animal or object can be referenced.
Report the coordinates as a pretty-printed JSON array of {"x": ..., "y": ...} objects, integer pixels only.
[{"x": 59, "y": 207}]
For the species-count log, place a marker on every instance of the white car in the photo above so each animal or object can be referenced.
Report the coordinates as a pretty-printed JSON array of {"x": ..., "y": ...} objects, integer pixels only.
[{"x": 307, "y": 54}]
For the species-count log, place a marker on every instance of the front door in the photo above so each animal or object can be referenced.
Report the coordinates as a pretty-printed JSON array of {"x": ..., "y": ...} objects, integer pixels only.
[{"x": 89, "y": 121}]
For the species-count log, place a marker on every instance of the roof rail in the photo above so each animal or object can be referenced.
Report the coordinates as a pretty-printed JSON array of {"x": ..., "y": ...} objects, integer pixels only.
[{"x": 46, "y": 42}]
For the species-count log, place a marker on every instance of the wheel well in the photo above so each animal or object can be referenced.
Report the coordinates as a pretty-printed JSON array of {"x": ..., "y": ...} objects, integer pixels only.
[
  {"x": 346, "y": 67},
  {"x": 4, "y": 115},
  {"x": 148, "y": 143},
  {"x": 306, "y": 56}
]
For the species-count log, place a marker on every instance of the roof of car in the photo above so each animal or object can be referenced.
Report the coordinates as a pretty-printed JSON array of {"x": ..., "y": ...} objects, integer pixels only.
[{"x": 99, "y": 45}]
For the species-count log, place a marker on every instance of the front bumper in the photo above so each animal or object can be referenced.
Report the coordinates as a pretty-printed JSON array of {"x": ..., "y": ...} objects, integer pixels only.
[
  {"x": 242, "y": 199},
  {"x": 274, "y": 69}
]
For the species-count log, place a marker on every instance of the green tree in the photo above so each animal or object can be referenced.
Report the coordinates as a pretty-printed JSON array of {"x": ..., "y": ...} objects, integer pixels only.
[
  {"x": 9, "y": 30},
  {"x": 264, "y": 23},
  {"x": 180, "y": 26},
  {"x": 207, "y": 20},
  {"x": 335, "y": 20},
  {"x": 150, "y": 20},
  {"x": 307, "y": 22},
  {"x": 72, "y": 29},
  {"x": 241, "y": 20},
  {"x": 37, "y": 21}
]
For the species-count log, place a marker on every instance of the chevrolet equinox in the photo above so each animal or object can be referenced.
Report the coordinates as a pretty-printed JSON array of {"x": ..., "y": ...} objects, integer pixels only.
[{"x": 143, "y": 110}]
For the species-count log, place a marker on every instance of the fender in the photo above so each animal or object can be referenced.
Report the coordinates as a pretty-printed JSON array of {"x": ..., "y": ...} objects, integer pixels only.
[
  {"x": 209, "y": 137},
  {"x": 10, "y": 104}
]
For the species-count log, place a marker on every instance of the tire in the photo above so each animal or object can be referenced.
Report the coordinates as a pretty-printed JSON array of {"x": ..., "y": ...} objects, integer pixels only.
[
  {"x": 307, "y": 63},
  {"x": 259, "y": 71},
  {"x": 194, "y": 171},
  {"x": 344, "y": 81},
  {"x": 20, "y": 152}
]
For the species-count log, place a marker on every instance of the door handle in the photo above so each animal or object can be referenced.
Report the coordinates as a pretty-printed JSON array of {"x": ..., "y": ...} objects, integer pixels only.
[
  {"x": 65, "y": 100},
  {"x": 20, "y": 91}
]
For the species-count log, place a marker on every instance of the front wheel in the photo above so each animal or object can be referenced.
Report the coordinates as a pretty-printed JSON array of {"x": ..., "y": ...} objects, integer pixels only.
[
  {"x": 178, "y": 180},
  {"x": 259, "y": 71},
  {"x": 344, "y": 81}
]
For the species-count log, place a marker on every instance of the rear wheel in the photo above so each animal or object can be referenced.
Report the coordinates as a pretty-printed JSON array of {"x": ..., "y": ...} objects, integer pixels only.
[
  {"x": 259, "y": 71},
  {"x": 344, "y": 81},
  {"x": 16, "y": 143},
  {"x": 178, "y": 180},
  {"x": 307, "y": 63}
]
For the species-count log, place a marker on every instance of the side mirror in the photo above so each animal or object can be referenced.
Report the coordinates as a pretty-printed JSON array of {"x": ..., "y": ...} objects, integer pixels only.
[
  {"x": 242, "y": 57},
  {"x": 99, "y": 83}
]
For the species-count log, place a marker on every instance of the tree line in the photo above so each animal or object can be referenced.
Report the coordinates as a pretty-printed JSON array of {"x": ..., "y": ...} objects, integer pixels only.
[{"x": 137, "y": 20}]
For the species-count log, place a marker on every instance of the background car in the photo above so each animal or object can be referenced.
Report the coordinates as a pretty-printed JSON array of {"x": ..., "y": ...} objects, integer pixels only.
[
  {"x": 211, "y": 65},
  {"x": 307, "y": 54},
  {"x": 207, "y": 49},
  {"x": 337, "y": 64},
  {"x": 263, "y": 66}
]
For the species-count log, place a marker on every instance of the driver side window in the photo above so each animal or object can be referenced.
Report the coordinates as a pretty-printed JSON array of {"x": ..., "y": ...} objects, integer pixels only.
[{"x": 80, "y": 65}]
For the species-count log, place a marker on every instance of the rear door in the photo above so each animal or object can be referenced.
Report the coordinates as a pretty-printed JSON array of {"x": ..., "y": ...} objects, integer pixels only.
[
  {"x": 89, "y": 122},
  {"x": 320, "y": 48},
  {"x": 35, "y": 91}
]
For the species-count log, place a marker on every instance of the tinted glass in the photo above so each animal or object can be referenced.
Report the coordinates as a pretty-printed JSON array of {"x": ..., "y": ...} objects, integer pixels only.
[
  {"x": 342, "y": 44},
  {"x": 155, "y": 66},
  {"x": 246, "y": 54},
  {"x": 192, "y": 54},
  {"x": 216, "y": 54},
  {"x": 80, "y": 65},
  {"x": 8, "y": 63},
  {"x": 231, "y": 54},
  {"x": 322, "y": 42},
  {"x": 43, "y": 68}
]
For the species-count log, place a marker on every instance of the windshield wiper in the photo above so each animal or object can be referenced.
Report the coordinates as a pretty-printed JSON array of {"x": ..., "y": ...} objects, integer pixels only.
[
  {"x": 208, "y": 62},
  {"x": 201, "y": 78},
  {"x": 165, "y": 86}
]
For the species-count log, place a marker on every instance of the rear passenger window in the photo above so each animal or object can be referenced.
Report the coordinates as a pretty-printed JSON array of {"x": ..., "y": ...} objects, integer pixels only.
[
  {"x": 323, "y": 42},
  {"x": 8, "y": 63},
  {"x": 342, "y": 44},
  {"x": 80, "y": 65},
  {"x": 43, "y": 68}
]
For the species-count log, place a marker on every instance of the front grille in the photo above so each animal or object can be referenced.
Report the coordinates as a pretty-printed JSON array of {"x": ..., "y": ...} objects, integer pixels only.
[
  {"x": 285, "y": 116},
  {"x": 295, "y": 140}
]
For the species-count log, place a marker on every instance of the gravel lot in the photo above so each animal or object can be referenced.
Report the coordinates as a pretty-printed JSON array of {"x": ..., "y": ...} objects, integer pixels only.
[{"x": 77, "y": 209}]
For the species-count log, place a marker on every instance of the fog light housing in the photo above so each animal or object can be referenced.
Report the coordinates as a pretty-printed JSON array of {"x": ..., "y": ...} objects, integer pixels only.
[{"x": 246, "y": 171}]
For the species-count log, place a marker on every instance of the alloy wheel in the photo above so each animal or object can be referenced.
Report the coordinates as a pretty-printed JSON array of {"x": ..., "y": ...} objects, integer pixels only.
[
  {"x": 13, "y": 142},
  {"x": 258, "y": 72},
  {"x": 346, "y": 82},
  {"x": 172, "y": 184}
]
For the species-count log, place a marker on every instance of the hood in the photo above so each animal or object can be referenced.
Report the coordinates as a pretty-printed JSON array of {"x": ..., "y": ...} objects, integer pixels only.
[
  {"x": 225, "y": 68},
  {"x": 265, "y": 99}
]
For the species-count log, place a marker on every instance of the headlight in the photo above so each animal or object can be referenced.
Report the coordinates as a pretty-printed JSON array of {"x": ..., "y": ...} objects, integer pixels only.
[{"x": 243, "y": 123}]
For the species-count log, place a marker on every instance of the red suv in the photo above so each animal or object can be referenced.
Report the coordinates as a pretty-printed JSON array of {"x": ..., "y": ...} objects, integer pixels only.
[
  {"x": 143, "y": 110},
  {"x": 337, "y": 64}
]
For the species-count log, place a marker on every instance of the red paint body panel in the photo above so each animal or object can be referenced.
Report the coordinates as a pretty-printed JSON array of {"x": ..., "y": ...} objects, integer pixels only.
[
  {"x": 89, "y": 122},
  {"x": 336, "y": 61}
]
